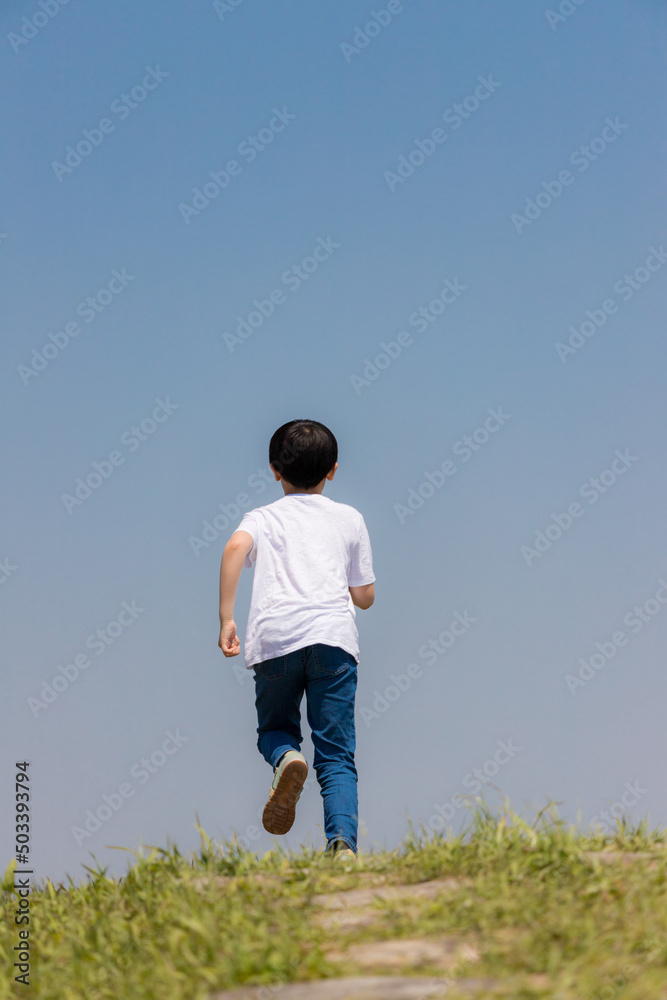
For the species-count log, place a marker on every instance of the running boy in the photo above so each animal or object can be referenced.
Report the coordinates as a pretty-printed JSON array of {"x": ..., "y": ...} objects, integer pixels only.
[{"x": 313, "y": 566}]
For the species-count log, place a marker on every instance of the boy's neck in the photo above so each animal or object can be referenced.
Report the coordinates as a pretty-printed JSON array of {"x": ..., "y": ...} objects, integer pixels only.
[{"x": 316, "y": 490}]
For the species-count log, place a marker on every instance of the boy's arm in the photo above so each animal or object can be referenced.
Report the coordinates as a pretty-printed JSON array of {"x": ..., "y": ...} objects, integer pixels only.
[
  {"x": 233, "y": 557},
  {"x": 360, "y": 567},
  {"x": 363, "y": 597}
]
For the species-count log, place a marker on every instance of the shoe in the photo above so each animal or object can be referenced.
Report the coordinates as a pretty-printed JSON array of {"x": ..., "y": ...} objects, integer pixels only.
[
  {"x": 345, "y": 855},
  {"x": 288, "y": 781},
  {"x": 341, "y": 852}
]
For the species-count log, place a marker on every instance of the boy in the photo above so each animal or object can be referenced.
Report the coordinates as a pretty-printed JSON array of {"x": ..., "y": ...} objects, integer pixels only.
[{"x": 313, "y": 566}]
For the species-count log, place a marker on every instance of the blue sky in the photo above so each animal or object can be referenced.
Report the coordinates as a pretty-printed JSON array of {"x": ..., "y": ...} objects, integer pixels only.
[{"x": 158, "y": 351}]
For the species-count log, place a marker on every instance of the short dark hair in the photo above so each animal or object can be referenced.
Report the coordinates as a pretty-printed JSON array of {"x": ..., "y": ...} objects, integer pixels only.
[{"x": 303, "y": 452}]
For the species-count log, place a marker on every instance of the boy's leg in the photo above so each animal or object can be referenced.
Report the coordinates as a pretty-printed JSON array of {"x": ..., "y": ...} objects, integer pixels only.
[
  {"x": 331, "y": 684},
  {"x": 279, "y": 687}
]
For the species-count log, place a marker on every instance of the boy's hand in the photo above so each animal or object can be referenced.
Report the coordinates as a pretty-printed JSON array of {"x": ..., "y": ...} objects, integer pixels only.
[{"x": 229, "y": 642}]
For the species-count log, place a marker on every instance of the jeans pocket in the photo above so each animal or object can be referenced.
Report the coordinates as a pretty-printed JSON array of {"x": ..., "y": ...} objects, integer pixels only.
[
  {"x": 272, "y": 669},
  {"x": 331, "y": 660}
]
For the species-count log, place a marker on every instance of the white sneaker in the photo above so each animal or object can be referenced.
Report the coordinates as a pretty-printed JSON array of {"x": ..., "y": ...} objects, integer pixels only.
[
  {"x": 346, "y": 855},
  {"x": 341, "y": 852}
]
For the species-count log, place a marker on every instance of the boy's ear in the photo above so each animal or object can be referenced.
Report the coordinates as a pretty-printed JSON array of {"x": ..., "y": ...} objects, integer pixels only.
[{"x": 331, "y": 474}]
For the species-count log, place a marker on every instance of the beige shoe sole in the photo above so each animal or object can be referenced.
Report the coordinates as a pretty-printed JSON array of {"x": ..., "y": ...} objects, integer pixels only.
[{"x": 280, "y": 810}]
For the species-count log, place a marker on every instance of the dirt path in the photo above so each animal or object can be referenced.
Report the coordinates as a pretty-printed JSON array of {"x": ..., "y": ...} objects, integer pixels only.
[
  {"x": 346, "y": 911},
  {"x": 358, "y": 988}
]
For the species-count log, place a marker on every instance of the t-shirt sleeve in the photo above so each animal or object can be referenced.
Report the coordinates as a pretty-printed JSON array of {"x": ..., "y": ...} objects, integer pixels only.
[
  {"x": 249, "y": 524},
  {"x": 360, "y": 570}
]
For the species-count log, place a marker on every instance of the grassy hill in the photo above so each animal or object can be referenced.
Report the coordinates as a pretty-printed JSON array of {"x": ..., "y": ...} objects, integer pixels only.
[{"x": 507, "y": 909}]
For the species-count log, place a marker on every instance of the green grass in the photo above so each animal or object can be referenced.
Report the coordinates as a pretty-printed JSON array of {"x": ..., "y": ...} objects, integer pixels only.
[{"x": 548, "y": 919}]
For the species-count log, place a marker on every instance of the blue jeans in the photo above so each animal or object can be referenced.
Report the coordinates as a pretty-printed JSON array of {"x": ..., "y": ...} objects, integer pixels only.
[{"x": 328, "y": 676}]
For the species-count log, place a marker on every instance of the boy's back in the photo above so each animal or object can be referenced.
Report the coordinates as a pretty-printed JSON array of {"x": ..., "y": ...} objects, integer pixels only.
[
  {"x": 313, "y": 565},
  {"x": 307, "y": 551}
]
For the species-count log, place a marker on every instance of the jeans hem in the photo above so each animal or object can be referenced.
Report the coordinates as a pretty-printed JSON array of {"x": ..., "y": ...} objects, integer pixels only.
[
  {"x": 279, "y": 753},
  {"x": 350, "y": 843}
]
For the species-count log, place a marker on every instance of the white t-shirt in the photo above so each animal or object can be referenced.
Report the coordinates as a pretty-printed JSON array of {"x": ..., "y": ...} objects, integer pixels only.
[{"x": 308, "y": 550}]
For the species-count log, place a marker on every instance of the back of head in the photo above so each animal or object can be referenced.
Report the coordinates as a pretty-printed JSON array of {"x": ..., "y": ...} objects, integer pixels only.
[{"x": 303, "y": 452}]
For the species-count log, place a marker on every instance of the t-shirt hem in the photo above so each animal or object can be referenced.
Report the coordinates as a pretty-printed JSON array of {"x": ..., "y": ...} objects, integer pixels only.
[{"x": 327, "y": 641}]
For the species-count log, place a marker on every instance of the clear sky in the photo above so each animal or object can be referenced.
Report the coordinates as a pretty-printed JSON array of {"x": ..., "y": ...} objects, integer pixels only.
[{"x": 434, "y": 227}]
